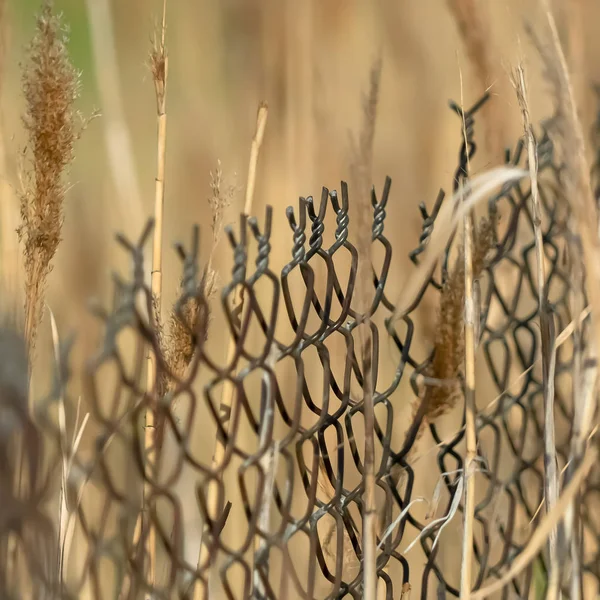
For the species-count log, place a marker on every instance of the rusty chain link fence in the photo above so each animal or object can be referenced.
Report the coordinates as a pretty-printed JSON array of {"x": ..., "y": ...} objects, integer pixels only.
[{"x": 279, "y": 494}]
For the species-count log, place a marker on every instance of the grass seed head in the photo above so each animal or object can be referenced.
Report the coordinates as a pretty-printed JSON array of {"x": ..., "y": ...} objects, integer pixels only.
[{"x": 50, "y": 86}]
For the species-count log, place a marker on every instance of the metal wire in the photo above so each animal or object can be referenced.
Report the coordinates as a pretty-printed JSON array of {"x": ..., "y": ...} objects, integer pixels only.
[{"x": 293, "y": 441}]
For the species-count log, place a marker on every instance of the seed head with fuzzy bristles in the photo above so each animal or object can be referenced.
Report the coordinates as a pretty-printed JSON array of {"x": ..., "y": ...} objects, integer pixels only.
[
  {"x": 449, "y": 355},
  {"x": 179, "y": 345},
  {"x": 50, "y": 86}
]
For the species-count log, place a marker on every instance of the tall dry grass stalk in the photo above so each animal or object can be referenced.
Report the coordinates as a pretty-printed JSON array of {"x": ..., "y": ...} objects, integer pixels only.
[
  {"x": 362, "y": 167},
  {"x": 470, "y": 415},
  {"x": 468, "y": 249},
  {"x": 581, "y": 420},
  {"x": 51, "y": 86},
  {"x": 159, "y": 66},
  {"x": 202, "y": 592},
  {"x": 578, "y": 192},
  {"x": 551, "y": 485},
  {"x": 68, "y": 502},
  {"x": 575, "y": 173}
]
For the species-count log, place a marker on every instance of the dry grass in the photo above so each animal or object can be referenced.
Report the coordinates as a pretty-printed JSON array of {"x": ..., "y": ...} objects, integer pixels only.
[
  {"x": 471, "y": 316},
  {"x": 476, "y": 191},
  {"x": 447, "y": 366},
  {"x": 575, "y": 175},
  {"x": 362, "y": 168},
  {"x": 50, "y": 86},
  {"x": 179, "y": 341},
  {"x": 551, "y": 485},
  {"x": 69, "y": 503},
  {"x": 159, "y": 67},
  {"x": 579, "y": 194},
  {"x": 228, "y": 390}
]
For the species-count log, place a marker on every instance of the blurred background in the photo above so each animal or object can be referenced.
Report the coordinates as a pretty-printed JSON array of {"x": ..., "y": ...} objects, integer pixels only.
[{"x": 310, "y": 60}]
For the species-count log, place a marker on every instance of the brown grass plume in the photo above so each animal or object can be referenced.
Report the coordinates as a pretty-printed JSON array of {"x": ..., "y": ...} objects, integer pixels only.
[
  {"x": 179, "y": 342},
  {"x": 51, "y": 86},
  {"x": 449, "y": 343}
]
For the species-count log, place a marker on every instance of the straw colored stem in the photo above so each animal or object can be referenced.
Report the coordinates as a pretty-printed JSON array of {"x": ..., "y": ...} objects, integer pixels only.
[
  {"x": 362, "y": 165},
  {"x": 575, "y": 173},
  {"x": 470, "y": 415},
  {"x": 584, "y": 400},
  {"x": 202, "y": 592},
  {"x": 470, "y": 407},
  {"x": 160, "y": 73},
  {"x": 261, "y": 124},
  {"x": 369, "y": 509},
  {"x": 268, "y": 463},
  {"x": 547, "y": 342},
  {"x": 33, "y": 299}
]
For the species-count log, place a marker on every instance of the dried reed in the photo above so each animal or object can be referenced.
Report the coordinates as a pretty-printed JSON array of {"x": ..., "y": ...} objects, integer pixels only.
[
  {"x": 447, "y": 366},
  {"x": 578, "y": 192},
  {"x": 68, "y": 505},
  {"x": 477, "y": 190},
  {"x": 159, "y": 66},
  {"x": 51, "y": 86},
  {"x": 362, "y": 166},
  {"x": 200, "y": 591},
  {"x": 469, "y": 381},
  {"x": 575, "y": 174},
  {"x": 551, "y": 486}
]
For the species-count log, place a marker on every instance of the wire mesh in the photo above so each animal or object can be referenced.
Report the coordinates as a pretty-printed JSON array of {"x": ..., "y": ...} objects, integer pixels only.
[{"x": 292, "y": 436}]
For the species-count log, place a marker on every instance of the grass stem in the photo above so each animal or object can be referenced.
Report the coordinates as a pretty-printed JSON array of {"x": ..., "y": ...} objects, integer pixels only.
[
  {"x": 159, "y": 66},
  {"x": 466, "y": 577},
  {"x": 202, "y": 592}
]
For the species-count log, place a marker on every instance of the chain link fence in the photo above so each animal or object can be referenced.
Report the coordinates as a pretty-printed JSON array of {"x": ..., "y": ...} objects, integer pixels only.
[{"x": 279, "y": 494}]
